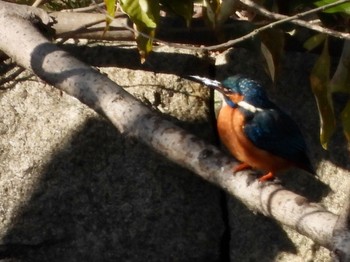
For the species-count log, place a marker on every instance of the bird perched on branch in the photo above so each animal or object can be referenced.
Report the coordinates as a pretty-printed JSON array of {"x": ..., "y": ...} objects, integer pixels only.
[{"x": 255, "y": 130}]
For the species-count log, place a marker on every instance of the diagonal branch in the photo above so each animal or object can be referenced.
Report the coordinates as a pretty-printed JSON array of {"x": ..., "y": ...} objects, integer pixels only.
[
  {"x": 281, "y": 19},
  {"x": 132, "y": 118},
  {"x": 264, "y": 12}
]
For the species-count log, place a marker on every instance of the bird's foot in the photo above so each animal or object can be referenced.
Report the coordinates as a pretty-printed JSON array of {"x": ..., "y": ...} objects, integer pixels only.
[
  {"x": 241, "y": 167},
  {"x": 268, "y": 177}
]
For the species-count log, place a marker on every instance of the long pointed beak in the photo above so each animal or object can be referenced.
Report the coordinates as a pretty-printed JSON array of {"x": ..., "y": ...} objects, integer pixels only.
[
  {"x": 209, "y": 83},
  {"x": 216, "y": 85}
]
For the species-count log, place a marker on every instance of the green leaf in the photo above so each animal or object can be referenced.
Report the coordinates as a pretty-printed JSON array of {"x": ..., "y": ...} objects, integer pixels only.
[
  {"x": 144, "y": 43},
  {"x": 142, "y": 12},
  {"x": 319, "y": 80},
  {"x": 345, "y": 118},
  {"x": 314, "y": 41},
  {"x": 340, "y": 83},
  {"x": 216, "y": 12},
  {"x": 211, "y": 7},
  {"x": 342, "y": 8},
  {"x": 225, "y": 10},
  {"x": 110, "y": 6},
  {"x": 145, "y": 15},
  {"x": 183, "y": 8},
  {"x": 341, "y": 79},
  {"x": 272, "y": 49},
  {"x": 269, "y": 61}
]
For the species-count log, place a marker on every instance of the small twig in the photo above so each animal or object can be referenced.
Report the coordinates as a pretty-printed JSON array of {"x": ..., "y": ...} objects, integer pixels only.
[
  {"x": 11, "y": 80},
  {"x": 78, "y": 30},
  {"x": 38, "y": 2},
  {"x": 85, "y": 9},
  {"x": 175, "y": 45},
  {"x": 85, "y": 28},
  {"x": 269, "y": 26},
  {"x": 306, "y": 24}
]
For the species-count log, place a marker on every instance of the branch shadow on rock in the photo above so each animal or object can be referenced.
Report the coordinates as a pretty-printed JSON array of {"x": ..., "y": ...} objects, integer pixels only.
[
  {"x": 104, "y": 197},
  {"x": 128, "y": 57}
]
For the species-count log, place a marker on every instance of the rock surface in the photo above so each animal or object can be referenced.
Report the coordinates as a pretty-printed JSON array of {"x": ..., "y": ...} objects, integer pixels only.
[{"x": 74, "y": 189}]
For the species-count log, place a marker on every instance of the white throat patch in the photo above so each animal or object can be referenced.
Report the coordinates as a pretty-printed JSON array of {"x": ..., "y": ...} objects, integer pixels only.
[
  {"x": 242, "y": 104},
  {"x": 249, "y": 107}
]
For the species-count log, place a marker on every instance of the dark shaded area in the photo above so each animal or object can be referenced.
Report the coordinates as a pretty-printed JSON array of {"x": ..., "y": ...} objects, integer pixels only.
[
  {"x": 107, "y": 198},
  {"x": 255, "y": 237},
  {"x": 175, "y": 30},
  {"x": 125, "y": 56},
  {"x": 199, "y": 33}
]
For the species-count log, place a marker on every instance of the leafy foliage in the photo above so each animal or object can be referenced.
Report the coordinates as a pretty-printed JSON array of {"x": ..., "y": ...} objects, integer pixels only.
[
  {"x": 218, "y": 11},
  {"x": 110, "y": 6},
  {"x": 182, "y": 8},
  {"x": 146, "y": 14},
  {"x": 342, "y": 8}
]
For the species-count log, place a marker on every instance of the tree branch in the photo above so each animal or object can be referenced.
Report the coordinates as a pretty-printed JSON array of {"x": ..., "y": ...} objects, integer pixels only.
[
  {"x": 132, "y": 118},
  {"x": 283, "y": 19},
  {"x": 90, "y": 26},
  {"x": 92, "y": 7},
  {"x": 262, "y": 11}
]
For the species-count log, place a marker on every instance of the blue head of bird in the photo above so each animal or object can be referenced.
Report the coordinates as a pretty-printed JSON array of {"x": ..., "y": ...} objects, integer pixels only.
[{"x": 238, "y": 88}]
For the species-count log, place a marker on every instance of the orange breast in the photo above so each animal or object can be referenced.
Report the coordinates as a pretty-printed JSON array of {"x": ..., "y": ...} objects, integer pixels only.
[{"x": 230, "y": 128}]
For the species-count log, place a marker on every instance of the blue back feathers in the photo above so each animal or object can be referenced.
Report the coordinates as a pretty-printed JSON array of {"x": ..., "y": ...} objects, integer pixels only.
[{"x": 274, "y": 131}]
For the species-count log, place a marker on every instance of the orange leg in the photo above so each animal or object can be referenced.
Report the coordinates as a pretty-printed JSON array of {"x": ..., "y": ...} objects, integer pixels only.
[
  {"x": 240, "y": 167},
  {"x": 268, "y": 176}
]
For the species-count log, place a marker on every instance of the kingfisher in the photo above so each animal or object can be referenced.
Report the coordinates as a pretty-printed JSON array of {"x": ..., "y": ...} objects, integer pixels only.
[{"x": 255, "y": 130}]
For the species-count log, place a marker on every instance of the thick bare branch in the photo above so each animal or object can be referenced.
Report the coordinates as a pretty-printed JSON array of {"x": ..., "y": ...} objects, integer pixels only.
[
  {"x": 132, "y": 118},
  {"x": 90, "y": 26}
]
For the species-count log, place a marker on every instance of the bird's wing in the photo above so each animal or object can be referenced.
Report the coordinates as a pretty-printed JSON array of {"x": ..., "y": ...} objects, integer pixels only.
[{"x": 274, "y": 131}]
